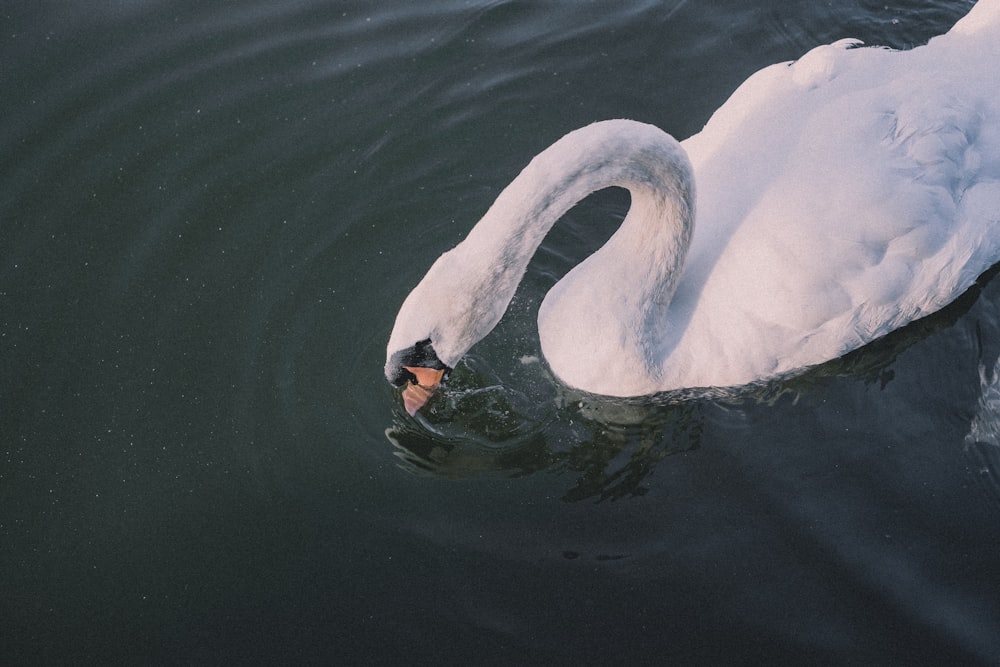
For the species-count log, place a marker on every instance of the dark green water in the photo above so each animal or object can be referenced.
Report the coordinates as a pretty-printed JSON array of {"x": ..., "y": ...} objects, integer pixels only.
[{"x": 209, "y": 215}]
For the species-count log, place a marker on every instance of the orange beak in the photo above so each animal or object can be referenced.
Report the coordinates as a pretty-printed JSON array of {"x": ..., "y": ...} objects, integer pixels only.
[{"x": 416, "y": 394}]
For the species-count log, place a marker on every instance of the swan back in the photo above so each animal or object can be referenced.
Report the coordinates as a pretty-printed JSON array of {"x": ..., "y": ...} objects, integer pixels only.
[
  {"x": 983, "y": 17},
  {"x": 848, "y": 193}
]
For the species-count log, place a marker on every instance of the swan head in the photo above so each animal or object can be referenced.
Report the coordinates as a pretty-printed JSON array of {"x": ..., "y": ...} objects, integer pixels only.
[
  {"x": 450, "y": 310},
  {"x": 419, "y": 371}
]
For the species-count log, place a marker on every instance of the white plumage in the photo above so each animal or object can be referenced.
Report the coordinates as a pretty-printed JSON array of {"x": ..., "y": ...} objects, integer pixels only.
[{"x": 838, "y": 198}]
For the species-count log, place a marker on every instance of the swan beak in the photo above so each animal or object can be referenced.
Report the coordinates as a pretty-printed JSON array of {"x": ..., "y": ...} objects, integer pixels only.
[{"x": 416, "y": 394}]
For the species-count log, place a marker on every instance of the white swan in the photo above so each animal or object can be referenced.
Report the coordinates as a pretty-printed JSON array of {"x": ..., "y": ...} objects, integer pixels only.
[{"x": 839, "y": 197}]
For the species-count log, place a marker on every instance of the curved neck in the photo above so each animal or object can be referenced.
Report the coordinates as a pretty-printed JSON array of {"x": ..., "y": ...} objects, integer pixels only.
[
  {"x": 467, "y": 290},
  {"x": 628, "y": 283},
  {"x": 638, "y": 157}
]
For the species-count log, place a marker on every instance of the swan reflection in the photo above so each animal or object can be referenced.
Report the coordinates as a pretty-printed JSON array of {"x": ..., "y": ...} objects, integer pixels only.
[
  {"x": 982, "y": 443},
  {"x": 611, "y": 447}
]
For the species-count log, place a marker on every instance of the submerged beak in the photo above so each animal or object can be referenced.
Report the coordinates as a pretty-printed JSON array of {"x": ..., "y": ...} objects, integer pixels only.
[{"x": 417, "y": 393}]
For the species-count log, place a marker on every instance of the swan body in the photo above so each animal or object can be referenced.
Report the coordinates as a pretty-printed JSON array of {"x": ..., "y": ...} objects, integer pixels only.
[{"x": 838, "y": 198}]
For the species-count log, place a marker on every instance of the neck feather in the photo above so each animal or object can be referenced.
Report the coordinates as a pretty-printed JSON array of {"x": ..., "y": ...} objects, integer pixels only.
[{"x": 621, "y": 291}]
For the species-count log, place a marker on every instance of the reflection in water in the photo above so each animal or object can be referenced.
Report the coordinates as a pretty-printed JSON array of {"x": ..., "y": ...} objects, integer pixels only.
[
  {"x": 982, "y": 444},
  {"x": 985, "y": 427},
  {"x": 476, "y": 427}
]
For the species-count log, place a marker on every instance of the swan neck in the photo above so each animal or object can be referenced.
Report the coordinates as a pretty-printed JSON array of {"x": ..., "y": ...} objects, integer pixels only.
[
  {"x": 470, "y": 287},
  {"x": 641, "y": 158}
]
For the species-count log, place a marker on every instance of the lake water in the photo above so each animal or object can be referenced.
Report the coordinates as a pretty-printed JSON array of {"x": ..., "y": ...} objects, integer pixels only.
[{"x": 209, "y": 216}]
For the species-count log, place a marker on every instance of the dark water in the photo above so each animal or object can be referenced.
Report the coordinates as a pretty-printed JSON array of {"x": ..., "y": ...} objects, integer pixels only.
[{"x": 209, "y": 214}]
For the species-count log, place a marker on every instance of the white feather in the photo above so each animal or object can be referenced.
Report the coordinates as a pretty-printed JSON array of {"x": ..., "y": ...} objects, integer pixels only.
[{"x": 838, "y": 198}]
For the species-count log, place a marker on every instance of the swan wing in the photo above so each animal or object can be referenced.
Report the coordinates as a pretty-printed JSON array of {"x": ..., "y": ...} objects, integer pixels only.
[{"x": 840, "y": 197}]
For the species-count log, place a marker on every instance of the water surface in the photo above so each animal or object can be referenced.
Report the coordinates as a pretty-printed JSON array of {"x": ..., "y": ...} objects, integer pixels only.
[{"x": 209, "y": 215}]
